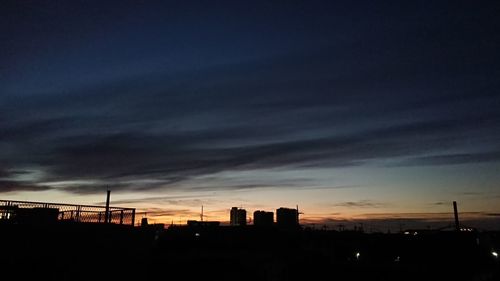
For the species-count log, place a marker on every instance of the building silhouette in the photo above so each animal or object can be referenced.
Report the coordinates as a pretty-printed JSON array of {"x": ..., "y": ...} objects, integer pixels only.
[
  {"x": 263, "y": 218},
  {"x": 195, "y": 223},
  {"x": 286, "y": 217},
  {"x": 238, "y": 216}
]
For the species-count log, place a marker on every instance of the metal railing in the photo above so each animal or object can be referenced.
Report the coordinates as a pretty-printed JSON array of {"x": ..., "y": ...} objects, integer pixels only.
[{"x": 19, "y": 211}]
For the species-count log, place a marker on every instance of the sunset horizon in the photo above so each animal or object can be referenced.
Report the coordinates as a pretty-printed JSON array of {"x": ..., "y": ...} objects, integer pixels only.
[{"x": 379, "y": 114}]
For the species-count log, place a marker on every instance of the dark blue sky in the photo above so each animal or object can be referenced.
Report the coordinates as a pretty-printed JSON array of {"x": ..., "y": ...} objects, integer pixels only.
[{"x": 288, "y": 100}]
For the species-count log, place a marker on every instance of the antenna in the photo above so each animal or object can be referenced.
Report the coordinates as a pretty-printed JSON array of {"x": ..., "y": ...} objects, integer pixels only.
[{"x": 201, "y": 213}]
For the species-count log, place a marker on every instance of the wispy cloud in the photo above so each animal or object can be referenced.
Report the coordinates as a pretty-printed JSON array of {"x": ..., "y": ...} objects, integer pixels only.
[
  {"x": 454, "y": 159},
  {"x": 440, "y": 203},
  {"x": 15, "y": 186},
  {"x": 160, "y": 199},
  {"x": 493, "y": 214},
  {"x": 361, "y": 204}
]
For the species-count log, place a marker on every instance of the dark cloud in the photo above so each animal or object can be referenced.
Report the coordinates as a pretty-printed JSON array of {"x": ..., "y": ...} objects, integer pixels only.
[
  {"x": 15, "y": 186},
  {"x": 158, "y": 199},
  {"x": 171, "y": 156},
  {"x": 3, "y": 173},
  {"x": 8, "y": 183},
  {"x": 455, "y": 159},
  {"x": 493, "y": 214}
]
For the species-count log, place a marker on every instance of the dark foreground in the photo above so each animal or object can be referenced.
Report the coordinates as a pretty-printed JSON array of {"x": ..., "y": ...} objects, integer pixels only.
[{"x": 113, "y": 252}]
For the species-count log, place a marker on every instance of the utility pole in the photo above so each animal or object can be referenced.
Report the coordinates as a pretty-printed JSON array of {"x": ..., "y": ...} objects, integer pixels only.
[
  {"x": 455, "y": 210},
  {"x": 107, "y": 218},
  {"x": 297, "y": 214},
  {"x": 201, "y": 213}
]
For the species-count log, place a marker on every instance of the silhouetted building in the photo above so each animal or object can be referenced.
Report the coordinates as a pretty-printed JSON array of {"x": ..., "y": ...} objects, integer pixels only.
[
  {"x": 238, "y": 216},
  {"x": 286, "y": 217},
  {"x": 35, "y": 215},
  {"x": 193, "y": 223},
  {"x": 263, "y": 218}
]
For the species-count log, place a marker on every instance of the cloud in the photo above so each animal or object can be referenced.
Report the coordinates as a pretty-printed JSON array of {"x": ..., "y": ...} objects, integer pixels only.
[
  {"x": 158, "y": 199},
  {"x": 360, "y": 204},
  {"x": 493, "y": 214},
  {"x": 170, "y": 158},
  {"x": 178, "y": 158},
  {"x": 166, "y": 212},
  {"x": 440, "y": 203},
  {"x": 454, "y": 159},
  {"x": 15, "y": 186},
  {"x": 4, "y": 173}
]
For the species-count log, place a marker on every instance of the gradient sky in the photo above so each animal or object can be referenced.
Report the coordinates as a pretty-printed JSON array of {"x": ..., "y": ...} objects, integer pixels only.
[{"x": 353, "y": 110}]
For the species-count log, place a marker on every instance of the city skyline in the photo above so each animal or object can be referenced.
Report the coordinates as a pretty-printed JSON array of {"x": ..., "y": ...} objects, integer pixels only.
[{"x": 374, "y": 112}]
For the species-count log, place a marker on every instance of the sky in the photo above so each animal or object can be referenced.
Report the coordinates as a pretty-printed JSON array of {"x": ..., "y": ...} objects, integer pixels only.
[{"x": 381, "y": 112}]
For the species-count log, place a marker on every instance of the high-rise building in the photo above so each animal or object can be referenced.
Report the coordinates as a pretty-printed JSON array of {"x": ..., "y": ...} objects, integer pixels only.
[
  {"x": 238, "y": 216},
  {"x": 234, "y": 215},
  {"x": 286, "y": 217},
  {"x": 263, "y": 218}
]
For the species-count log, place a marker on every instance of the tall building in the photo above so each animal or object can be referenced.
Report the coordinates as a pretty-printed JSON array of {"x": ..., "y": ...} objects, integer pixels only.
[
  {"x": 286, "y": 217},
  {"x": 263, "y": 218},
  {"x": 238, "y": 216}
]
